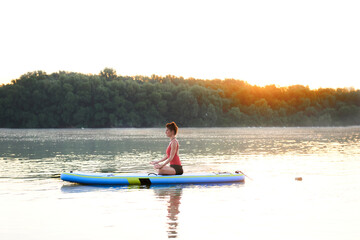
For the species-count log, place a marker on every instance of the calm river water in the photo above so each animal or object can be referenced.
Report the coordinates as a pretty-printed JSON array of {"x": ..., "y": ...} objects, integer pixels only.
[{"x": 36, "y": 204}]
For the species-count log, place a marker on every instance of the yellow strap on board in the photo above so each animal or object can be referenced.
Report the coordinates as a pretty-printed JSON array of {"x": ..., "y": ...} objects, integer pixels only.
[{"x": 133, "y": 180}]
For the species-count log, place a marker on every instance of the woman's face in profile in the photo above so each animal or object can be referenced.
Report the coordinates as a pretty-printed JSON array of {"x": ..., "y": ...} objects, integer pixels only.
[{"x": 168, "y": 132}]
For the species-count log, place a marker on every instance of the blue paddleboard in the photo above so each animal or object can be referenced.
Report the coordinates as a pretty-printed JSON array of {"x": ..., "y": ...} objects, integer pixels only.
[{"x": 148, "y": 179}]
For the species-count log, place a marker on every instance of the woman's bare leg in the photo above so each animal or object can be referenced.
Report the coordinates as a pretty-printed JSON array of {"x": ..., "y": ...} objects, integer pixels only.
[{"x": 166, "y": 170}]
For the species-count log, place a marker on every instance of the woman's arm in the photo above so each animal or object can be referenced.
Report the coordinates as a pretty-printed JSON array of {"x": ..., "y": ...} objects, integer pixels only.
[
  {"x": 172, "y": 154},
  {"x": 165, "y": 157}
]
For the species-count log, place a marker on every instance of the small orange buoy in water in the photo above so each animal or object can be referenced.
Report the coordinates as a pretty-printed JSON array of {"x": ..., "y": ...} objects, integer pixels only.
[{"x": 298, "y": 178}]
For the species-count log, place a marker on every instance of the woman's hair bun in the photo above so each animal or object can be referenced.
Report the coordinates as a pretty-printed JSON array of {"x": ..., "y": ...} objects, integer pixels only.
[{"x": 173, "y": 127}]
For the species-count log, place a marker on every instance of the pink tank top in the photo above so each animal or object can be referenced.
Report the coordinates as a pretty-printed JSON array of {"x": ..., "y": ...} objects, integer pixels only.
[{"x": 176, "y": 159}]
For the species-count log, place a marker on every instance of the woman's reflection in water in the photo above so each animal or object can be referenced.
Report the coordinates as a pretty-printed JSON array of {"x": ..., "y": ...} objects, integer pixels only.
[
  {"x": 173, "y": 207},
  {"x": 170, "y": 193}
]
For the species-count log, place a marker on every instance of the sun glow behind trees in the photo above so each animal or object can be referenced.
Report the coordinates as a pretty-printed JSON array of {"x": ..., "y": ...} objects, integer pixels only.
[{"x": 67, "y": 99}]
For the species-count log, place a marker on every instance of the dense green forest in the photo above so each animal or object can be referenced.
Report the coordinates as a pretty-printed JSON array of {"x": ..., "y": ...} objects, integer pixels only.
[{"x": 69, "y": 99}]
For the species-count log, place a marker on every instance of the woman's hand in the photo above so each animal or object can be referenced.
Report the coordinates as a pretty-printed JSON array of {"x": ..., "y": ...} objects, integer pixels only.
[
  {"x": 154, "y": 162},
  {"x": 158, "y": 166}
]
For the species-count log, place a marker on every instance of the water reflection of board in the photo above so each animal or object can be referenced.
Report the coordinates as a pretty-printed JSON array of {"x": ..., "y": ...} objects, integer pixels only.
[{"x": 151, "y": 178}]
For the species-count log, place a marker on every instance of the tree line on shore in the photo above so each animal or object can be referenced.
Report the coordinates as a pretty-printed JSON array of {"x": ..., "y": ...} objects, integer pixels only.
[{"x": 68, "y": 99}]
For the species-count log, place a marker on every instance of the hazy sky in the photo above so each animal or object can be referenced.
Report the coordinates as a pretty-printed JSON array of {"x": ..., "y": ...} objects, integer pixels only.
[{"x": 315, "y": 43}]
